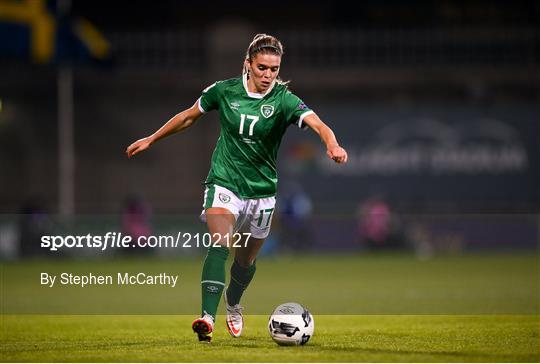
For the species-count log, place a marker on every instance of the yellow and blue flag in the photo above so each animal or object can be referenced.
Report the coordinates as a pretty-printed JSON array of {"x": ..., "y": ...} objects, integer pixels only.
[{"x": 31, "y": 29}]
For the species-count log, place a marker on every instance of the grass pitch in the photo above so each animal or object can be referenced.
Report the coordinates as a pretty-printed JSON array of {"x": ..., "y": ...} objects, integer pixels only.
[
  {"x": 337, "y": 338},
  {"x": 375, "y": 308}
]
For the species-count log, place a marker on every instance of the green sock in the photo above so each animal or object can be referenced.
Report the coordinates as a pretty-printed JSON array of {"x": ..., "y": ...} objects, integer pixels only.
[
  {"x": 213, "y": 279},
  {"x": 240, "y": 279}
]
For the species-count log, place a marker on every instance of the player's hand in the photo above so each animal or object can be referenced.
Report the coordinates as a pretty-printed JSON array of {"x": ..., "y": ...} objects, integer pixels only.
[
  {"x": 337, "y": 154},
  {"x": 138, "y": 146}
]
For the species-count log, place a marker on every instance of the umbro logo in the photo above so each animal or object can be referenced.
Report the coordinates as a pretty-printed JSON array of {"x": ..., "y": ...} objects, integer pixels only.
[
  {"x": 287, "y": 310},
  {"x": 235, "y": 105}
]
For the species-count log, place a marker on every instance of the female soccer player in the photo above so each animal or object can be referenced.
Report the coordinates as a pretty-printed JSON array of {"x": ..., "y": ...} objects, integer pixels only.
[{"x": 255, "y": 111}]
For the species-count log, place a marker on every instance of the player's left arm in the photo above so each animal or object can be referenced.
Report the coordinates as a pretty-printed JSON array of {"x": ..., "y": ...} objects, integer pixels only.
[{"x": 333, "y": 150}]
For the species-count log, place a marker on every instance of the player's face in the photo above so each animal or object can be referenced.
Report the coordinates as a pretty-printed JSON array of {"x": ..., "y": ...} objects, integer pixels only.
[{"x": 263, "y": 70}]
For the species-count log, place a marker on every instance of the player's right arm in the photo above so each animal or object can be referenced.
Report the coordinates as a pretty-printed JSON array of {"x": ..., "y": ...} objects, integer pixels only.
[{"x": 177, "y": 123}]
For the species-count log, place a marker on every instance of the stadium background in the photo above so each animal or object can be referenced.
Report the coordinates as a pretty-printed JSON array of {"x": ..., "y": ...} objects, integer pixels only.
[{"x": 436, "y": 102}]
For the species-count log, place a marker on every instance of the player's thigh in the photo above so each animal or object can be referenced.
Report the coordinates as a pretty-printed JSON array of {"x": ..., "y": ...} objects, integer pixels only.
[
  {"x": 259, "y": 227},
  {"x": 220, "y": 222},
  {"x": 221, "y": 210},
  {"x": 246, "y": 254},
  {"x": 261, "y": 219}
]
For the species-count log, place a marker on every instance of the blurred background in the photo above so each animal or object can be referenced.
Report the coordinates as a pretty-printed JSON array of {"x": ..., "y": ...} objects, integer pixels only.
[{"x": 437, "y": 103}]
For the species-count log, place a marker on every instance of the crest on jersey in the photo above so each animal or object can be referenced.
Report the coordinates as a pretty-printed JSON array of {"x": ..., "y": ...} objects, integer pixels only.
[
  {"x": 267, "y": 111},
  {"x": 224, "y": 198}
]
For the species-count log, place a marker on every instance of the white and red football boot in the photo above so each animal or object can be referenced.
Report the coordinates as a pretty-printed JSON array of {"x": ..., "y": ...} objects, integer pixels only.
[{"x": 235, "y": 319}]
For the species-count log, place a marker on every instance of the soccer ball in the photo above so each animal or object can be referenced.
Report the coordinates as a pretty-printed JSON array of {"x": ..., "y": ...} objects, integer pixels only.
[{"x": 291, "y": 324}]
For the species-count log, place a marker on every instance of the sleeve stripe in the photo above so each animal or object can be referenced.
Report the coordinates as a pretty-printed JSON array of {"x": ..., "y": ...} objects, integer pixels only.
[
  {"x": 209, "y": 87},
  {"x": 200, "y": 106},
  {"x": 301, "y": 118}
]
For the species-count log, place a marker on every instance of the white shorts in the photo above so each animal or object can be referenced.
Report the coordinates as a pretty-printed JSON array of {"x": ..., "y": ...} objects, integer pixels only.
[{"x": 252, "y": 216}]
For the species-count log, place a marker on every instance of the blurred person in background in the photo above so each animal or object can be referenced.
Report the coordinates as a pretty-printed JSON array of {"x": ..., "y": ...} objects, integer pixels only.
[
  {"x": 136, "y": 220},
  {"x": 378, "y": 226},
  {"x": 34, "y": 222},
  {"x": 295, "y": 211},
  {"x": 255, "y": 111}
]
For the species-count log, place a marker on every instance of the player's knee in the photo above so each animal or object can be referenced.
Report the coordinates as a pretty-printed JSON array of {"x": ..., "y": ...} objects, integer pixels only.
[
  {"x": 221, "y": 239},
  {"x": 221, "y": 243},
  {"x": 217, "y": 253},
  {"x": 245, "y": 262}
]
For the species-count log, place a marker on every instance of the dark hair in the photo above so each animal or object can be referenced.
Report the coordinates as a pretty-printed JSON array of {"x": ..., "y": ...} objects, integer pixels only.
[{"x": 267, "y": 44}]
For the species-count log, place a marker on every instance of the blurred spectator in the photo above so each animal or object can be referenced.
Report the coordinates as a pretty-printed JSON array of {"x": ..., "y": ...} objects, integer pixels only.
[
  {"x": 33, "y": 224},
  {"x": 421, "y": 238},
  {"x": 378, "y": 225},
  {"x": 136, "y": 219},
  {"x": 295, "y": 211}
]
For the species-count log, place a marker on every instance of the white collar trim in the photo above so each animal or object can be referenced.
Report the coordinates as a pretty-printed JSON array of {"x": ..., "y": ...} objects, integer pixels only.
[{"x": 256, "y": 95}]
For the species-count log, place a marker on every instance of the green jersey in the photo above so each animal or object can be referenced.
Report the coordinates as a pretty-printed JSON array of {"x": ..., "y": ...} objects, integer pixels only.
[{"x": 252, "y": 126}]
